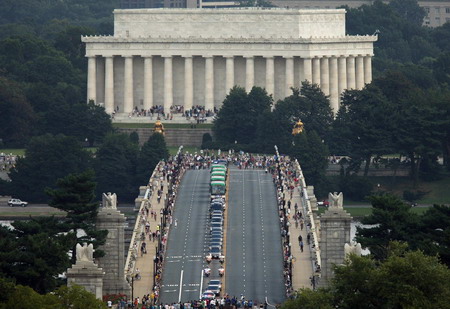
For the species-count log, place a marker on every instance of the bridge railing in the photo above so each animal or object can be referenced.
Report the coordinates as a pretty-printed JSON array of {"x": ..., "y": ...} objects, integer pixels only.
[
  {"x": 310, "y": 214},
  {"x": 135, "y": 243}
]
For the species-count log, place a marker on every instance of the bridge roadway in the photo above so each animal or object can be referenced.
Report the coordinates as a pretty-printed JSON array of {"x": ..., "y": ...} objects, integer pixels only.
[
  {"x": 187, "y": 245},
  {"x": 253, "y": 245},
  {"x": 254, "y": 260}
]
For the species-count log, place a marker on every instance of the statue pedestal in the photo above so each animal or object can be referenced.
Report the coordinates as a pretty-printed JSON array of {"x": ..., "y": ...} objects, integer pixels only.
[
  {"x": 113, "y": 263},
  {"x": 88, "y": 275},
  {"x": 334, "y": 234}
]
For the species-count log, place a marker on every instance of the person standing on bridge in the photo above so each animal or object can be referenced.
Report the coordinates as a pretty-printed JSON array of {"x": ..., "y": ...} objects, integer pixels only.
[{"x": 301, "y": 246}]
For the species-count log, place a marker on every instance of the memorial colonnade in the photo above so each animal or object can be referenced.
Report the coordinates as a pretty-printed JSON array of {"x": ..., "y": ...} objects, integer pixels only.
[{"x": 125, "y": 82}]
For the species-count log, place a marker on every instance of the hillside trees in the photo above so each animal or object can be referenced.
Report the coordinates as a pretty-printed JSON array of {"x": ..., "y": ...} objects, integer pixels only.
[{"x": 47, "y": 158}]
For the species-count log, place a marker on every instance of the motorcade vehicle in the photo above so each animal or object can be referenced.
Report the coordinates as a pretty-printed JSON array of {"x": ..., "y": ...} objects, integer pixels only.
[
  {"x": 215, "y": 244},
  {"x": 216, "y": 206},
  {"x": 216, "y": 282},
  {"x": 218, "y": 188},
  {"x": 208, "y": 295},
  {"x": 217, "y": 220},
  {"x": 218, "y": 178},
  {"x": 215, "y": 252},
  {"x": 17, "y": 202},
  {"x": 213, "y": 288},
  {"x": 216, "y": 226}
]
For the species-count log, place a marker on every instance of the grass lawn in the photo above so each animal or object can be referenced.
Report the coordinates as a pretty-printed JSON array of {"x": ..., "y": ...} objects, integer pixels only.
[
  {"x": 17, "y": 152},
  {"x": 437, "y": 191},
  {"x": 166, "y": 125}
]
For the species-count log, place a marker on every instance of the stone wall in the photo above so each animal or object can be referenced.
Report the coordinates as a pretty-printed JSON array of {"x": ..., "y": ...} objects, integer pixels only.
[
  {"x": 174, "y": 136},
  {"x": 229, "y": 23}
]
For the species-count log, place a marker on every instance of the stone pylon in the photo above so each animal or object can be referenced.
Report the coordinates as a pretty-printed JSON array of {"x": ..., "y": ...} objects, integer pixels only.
[
  {"x": 113, "y": 263},
  {"x": 85, "y": 272},
  {"x": 335, "y": 233}
]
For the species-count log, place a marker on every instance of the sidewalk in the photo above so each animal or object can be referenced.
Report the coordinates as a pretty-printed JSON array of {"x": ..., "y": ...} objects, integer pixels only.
[
  {"x": 302, "y": 268},
  {"x": 145, "y": 262}
]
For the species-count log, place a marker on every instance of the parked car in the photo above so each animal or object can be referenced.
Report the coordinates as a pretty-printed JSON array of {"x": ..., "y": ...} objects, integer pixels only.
[
  {"x": 16, "y": 202},
  {"x": 324, "y": 203}
]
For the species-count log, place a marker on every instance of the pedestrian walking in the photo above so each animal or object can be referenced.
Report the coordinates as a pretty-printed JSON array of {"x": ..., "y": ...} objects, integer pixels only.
[
  {"x": 300, "y": 238},
  {"x": 301, "y": 246},
  {"x": 301, "y": 225},
  {"x": 176, "y": 222},
  {"x": 308, "y": 238}
]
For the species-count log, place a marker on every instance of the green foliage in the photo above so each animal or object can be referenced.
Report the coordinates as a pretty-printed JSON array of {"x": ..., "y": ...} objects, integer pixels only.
[
  {"x": 24, "y": 297},
  {"x": 17, "y": 116},
  {"x": 354, "y": 187},
  {"x": 406, "y": 279},
  {"x": 392, "y": 220},
  {"x": 134, "y": 137},
  {"x": 77, "y": 297},
  {"x": 75, "y": 195},
  {"x": 237, "y": 120},
  {"x": 312, "y": 155},
  {"x": 153, "y": 151},
  {"x": 206, "y": 141},
  {"x": 115, "y": 167},
  {"x": 34, "y": 253},
  {"x": 47, "y": 158},
  {"x": 310, "y": 105}
]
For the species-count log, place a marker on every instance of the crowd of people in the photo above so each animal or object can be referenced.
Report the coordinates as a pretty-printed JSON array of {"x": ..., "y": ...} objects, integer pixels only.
[
  {"x": 197, "y": 113},
  {"x": 285, "y": 179},
  {"x": 7, "y": 161}
]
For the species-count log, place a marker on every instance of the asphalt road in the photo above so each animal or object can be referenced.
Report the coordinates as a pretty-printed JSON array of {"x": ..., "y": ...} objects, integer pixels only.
[
  {"x": 254, "y": 260},
  {"x": 182, "y": 278}
]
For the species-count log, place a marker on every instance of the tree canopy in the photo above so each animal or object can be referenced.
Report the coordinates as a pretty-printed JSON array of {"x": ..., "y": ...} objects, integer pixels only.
[{"x": 406, "y": 279}]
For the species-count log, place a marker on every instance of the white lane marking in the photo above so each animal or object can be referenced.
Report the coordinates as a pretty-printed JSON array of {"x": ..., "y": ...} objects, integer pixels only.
[
  {"x": 181, "y": 285},
  {"x": 201, "y": 284}
]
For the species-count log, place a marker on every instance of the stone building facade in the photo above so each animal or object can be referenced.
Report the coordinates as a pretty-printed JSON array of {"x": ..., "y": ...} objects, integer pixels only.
[{"x": 195, "y": 56}]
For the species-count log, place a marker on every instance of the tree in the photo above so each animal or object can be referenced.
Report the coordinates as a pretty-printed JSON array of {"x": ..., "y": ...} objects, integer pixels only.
[
  {"x": 409, "y": 10},
  {"x": 406, "y": 279},
  {"x": 364, "y": 125},
  {"x": 153, "y": 151},
  {"x": 309, "y": 105},
  {"x": 34, "y": 253},
  {"x": 75, "y": 195},
  {"x": 77, "y": 297},
  {"x": 237, "y": 120},
  {"x": 392, "y": 219},
  {"x": 312, "y": 155},
  {"x": 17, "y": 116},
  {"x": 47, "y": 158},
  {"x": 115, "y": 167}
]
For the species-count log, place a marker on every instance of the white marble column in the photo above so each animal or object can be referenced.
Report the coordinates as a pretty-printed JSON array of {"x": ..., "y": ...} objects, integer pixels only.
[
  {"x": 342, "y": 72},
  {"x": 359, "y": 65},
  {"x": 188, "y": 83},
  {"x": 351, "y": 84},
  {"x": 92, "y": 79},
  {"x": 316, "y": 71},
  {"x": 109, "y": 84},
  {"x": 270, "y": 75},
  {"x": 148, "y": 82},
  {"x": 249, "y": 73},
  {"x": 325, "y": 75},
  {"x": 367, "y": 69},
  {"x": 289, "y": 75},
  {"x": 209, "y": 83},
  {"x": 168, "y": 84},
  {"x": 128, "y": 99},
  {"x": 307, "y": 70},
  {"x": 334, "y": 95},
  {"x": 229, "y": 68}
]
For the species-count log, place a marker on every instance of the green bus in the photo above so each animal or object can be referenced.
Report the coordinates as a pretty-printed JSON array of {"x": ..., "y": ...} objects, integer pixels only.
[
  {"x": 219, "y": 173},
  {"x": 215, "y": 169},
  {"x": 218, "y": 187},
  {"x": 217, "y": 178}
]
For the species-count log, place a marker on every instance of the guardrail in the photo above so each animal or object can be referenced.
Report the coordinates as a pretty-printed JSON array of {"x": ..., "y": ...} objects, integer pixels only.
[
  {"x": 310, "y": 213},
  {"x": 130, "y": 263}
]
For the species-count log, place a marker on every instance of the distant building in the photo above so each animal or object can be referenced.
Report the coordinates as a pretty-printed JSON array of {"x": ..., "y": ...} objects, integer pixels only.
[
  {"x": 188, "y": 57},
  {"x": 140, "y": 4},
  {"x": 438, "y": 11}
]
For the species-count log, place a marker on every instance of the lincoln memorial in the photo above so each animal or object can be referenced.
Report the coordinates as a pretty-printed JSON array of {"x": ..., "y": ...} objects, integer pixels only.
[{"x": 193, "y": 57}]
